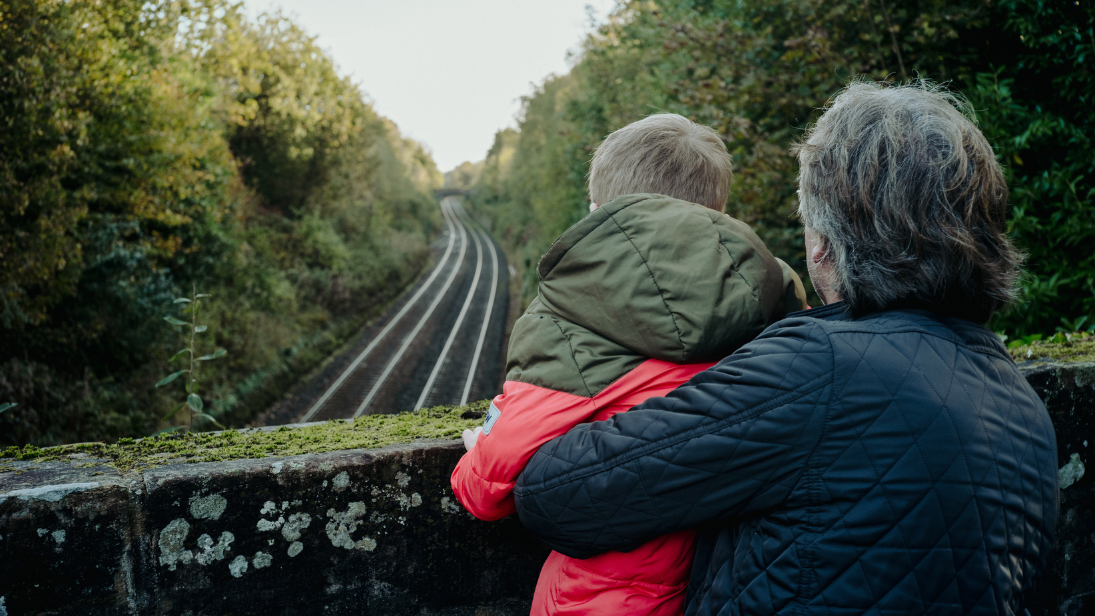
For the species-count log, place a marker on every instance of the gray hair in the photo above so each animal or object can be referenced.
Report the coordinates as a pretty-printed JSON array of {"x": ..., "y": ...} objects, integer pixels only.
[
  {"x": 910, "y": 201},
  {"x": 666, "y": 154}
]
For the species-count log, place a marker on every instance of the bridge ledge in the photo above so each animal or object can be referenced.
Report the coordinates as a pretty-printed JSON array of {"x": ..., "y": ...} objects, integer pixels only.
[{"x": 368, "y": 530}]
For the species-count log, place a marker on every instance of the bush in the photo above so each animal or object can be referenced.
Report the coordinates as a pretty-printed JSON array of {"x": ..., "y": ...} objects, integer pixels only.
[
  {"x": 758, "y": 72},
  {"x": 153, "y": 146}
]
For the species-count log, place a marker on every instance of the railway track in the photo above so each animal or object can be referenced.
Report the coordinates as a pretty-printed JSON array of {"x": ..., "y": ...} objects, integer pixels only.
[{"x": 440, "y": 344}]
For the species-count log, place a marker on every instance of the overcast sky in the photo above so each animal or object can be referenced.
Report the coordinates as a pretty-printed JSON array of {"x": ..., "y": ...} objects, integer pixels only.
[{"x": 448, "y": 72}]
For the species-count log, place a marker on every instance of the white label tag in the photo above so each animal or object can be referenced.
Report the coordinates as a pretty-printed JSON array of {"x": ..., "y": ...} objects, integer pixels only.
[{"x": 492, "y": 416}]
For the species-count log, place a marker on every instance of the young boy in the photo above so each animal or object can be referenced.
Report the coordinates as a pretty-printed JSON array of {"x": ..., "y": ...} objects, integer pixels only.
[{"x": 634, "y": 300}]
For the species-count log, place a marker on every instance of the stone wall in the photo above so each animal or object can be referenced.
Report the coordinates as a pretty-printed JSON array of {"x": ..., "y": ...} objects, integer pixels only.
[
  {"x": 351, "y": 532},
  {"x": 1069, "y": 393},
  {"x": 356, "y": 532}
]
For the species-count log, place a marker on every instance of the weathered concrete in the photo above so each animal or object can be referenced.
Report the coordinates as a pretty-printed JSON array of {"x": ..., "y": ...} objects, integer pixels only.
[
  {"x": 1068, "y": 389},
  {"x": 359, "y": 531}
]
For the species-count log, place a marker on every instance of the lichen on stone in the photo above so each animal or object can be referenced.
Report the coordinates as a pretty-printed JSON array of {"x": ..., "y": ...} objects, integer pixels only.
[
  {"x": 210, "y": 552},
  {"x": 450, "y": 505},
  {"x": 264, "y": 525},
  {"x": 1071, "y": 472},
  {"x": 366, "y": 432},
  {"x": 171, "y": 544},
  {"x": 295, "y": 548},
  {"x": 262, "y": 559},
  {"x": 341, "y": 481},
  {"x": 207, "y": 507},
  {"x": 238, "y": 566},
  {"x": 342, "y": 526},
  {"x": 296, "y": 523}
]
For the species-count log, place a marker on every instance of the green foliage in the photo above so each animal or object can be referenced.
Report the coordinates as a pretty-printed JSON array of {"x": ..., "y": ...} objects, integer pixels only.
[
  {"x": 153, "y": 146},
  {"x": 464, "y": 176},
  {"x": 193, "y": 404},
  {"x": 100, "y": 130},
  {"x": 758, "y": 72},
  {"x": 1037, "y": 110}
]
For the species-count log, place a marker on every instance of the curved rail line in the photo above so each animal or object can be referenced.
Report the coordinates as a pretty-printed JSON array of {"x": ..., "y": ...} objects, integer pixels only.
[
  {"x": 399, "y": 336},
  {"x": 456, "y": 327},
  {"x": 410, "y": 338},
  {"x": 391, "y": 324},
  {"x": 476, "y": 234},
  {"x": 486, "y": 320}
]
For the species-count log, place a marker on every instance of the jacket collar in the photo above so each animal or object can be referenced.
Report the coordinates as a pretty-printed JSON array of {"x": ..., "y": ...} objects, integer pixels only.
[{"x": 837, "y": 311}]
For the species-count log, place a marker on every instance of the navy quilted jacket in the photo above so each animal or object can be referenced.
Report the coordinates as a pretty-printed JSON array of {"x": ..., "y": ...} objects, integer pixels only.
[{"x": 893, "y": 464}]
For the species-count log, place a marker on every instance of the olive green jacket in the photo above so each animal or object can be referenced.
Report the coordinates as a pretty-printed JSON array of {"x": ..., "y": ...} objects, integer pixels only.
[{"x": 646, "y": 276}]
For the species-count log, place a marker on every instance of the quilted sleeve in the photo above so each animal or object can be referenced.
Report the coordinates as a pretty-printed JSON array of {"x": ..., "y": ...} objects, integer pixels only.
[{"x": 733, "y": 440}]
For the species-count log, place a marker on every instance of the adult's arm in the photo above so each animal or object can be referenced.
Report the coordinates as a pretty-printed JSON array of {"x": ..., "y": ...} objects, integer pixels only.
[{"x": 733, "y": 440}]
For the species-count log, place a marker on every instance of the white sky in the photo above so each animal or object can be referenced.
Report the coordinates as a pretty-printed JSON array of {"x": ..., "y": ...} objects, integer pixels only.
[{"x": 449, "y": 72}]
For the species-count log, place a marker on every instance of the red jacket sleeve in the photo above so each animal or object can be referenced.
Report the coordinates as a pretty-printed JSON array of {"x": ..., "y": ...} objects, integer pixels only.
[{"x": 529, "y": 417}]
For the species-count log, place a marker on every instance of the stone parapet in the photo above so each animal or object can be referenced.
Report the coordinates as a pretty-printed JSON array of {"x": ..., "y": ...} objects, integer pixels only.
[
  {"x": 348, "y": 532},
  {"x": 362, "y": 531},
  {"x": 1068, "y": 390}
]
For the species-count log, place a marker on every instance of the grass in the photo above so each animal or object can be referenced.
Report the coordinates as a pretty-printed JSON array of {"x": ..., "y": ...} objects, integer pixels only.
[{"x": 367, "y": 432}]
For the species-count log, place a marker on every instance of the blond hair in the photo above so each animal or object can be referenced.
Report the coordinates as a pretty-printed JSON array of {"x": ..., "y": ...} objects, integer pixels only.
[{"x": 666, "y": 154}]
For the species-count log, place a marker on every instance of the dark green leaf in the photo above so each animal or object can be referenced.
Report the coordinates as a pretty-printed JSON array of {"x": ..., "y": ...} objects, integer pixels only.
[
  {"x": 174, "y": 321},
  {"x": 218, "y": 353},
  {"x": 7, "y": 406},
  {"x": 179, "y": 353},
  {"x": 171, "y": 377},
  {"x": 182, "y": 300},
  {"x": 210, "y": 419},
  {"x": 201, "y": 328},
  {"x": 195, "y": 403}
]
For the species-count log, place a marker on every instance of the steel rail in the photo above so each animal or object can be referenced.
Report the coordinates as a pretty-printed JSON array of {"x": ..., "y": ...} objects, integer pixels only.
[
  {"x": 459, "y": 319},
  {"x": 410, "y": 338},
  {"x": 391, "y": 324},
  {"x": 486, "y": 320}
]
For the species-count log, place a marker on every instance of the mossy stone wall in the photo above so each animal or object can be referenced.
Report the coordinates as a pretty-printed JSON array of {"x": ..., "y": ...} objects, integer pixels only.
[
  {"x": 356, "y": 531},
  {"x": 346, "y": 532}
]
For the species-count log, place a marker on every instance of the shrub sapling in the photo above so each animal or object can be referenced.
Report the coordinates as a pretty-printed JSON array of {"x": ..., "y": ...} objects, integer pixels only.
[{"x": 193, "y": 404}]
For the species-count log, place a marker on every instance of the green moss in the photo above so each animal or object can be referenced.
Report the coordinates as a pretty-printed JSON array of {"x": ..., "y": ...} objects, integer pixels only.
[
  {"x": 366, "y": 432},
  {"x": 1077, "y": 347}
]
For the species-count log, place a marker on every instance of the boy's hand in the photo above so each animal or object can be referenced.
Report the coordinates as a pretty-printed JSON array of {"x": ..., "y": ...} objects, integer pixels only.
[{"x": 470, "y": 437}]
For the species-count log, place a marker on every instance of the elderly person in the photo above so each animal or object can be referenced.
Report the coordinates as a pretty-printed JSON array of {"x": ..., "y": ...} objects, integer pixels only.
[{"x": 881, "y": 454}]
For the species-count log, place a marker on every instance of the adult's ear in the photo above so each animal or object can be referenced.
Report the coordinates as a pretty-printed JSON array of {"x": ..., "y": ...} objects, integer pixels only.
[
  {"x": 820, "y": 264},
  {"x": 817, "y": 248}
]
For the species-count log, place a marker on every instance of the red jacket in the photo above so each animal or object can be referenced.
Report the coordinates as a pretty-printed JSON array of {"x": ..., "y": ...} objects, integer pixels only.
[{"x": 651, "y": 579}]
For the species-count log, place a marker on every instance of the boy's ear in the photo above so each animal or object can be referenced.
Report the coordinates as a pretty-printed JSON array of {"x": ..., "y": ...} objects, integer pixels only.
[{"x": 593, "y": 206}]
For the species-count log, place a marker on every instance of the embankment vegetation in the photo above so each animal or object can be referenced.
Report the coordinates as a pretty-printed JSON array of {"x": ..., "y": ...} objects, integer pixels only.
[
  {"x": 148, "y": 147},
  {"x": 758, "y": 72}
]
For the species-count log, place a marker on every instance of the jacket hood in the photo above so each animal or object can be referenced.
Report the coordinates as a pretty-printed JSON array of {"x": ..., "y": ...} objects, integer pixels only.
[{"x": 667, "y": 279}]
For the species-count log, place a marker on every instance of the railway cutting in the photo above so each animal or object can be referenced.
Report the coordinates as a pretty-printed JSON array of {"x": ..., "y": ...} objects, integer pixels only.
[{"x": 440, "y": 343}]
